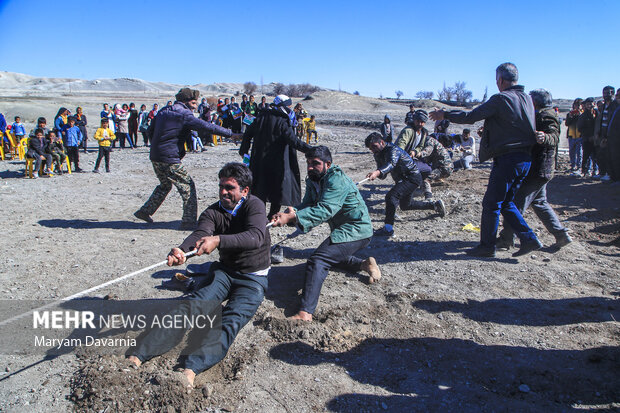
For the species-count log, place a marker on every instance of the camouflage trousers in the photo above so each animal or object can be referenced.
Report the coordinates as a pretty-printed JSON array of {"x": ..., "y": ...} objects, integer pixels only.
[
  {"x": 173, "y": 174},
  {"x": 441, "y": 170}
]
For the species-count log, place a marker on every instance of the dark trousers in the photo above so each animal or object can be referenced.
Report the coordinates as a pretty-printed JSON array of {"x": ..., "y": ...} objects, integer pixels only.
[
  {"x": 38, "y": 161},
  {"x": 133, "y": 137},
  {"x": 328, "y": 254},
  {"x": 533, "y": 192},
  {"x": 401, "y": 195},
  {"x": 74, "y": 156},
  {"x": 507, "y": 174},
  {"x": 614, "y": 159},
  {"x": 244, "y": 293},
  {"x": 236, "y": 125},
  {"x": 588, "y": 160},
  {"x": 602, "y": 159},
  {"x": 104, "y": 152},
  {"x": 121, "y": 139},
  {"x": 145, "y": 138}
]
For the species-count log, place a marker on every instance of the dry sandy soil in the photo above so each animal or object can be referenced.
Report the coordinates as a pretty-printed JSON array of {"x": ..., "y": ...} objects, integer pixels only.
[{"x": 440, "y": 332}]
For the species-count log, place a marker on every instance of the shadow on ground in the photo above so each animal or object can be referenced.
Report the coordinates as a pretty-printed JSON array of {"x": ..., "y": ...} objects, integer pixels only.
[
  {"x": 530, "y": 311},
  {"x": 430, "y": 374},
  {"x": 95, "y": 224}
]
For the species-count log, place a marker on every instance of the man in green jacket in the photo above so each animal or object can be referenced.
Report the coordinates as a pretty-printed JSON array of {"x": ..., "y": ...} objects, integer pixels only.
[{"x": 332, "y": 197}]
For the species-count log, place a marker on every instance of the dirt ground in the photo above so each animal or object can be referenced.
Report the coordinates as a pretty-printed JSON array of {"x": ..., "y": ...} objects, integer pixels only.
[{"x": 440, "y": 332}]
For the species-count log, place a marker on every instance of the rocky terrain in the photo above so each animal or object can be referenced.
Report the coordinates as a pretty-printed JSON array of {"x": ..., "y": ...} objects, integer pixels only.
[{"x": 440, "y": 332}]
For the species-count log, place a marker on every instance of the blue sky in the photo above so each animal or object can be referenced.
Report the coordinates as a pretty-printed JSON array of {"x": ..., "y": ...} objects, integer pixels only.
[{"x": 374, "y": 47}]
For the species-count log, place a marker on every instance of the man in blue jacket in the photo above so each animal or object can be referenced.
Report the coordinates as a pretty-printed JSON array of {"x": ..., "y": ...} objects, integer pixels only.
[
  {"x": 169, "y": 131},
  {"x": 509, "y": 135}
]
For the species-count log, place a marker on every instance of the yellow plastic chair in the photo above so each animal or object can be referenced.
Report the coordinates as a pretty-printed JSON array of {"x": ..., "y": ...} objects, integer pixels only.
[
  {"x": 23, "y": 148},
  {"x": 30, "y": 166},
  {"x": 16, "y": 150},
  {"x": 65, "y": 163},
  {"x": 215, "y": 137},
  {"x": 28, "y": 172}
]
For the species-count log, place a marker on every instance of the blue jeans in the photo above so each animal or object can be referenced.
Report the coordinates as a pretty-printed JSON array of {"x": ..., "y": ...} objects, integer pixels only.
[
  {"x": 533, "y": 193},
  {"x": 464, "y": 162},
  {"x": 574, "y": 152},
  {"x": 508, "y": 172},
  {"x": 244, "y": 293}
]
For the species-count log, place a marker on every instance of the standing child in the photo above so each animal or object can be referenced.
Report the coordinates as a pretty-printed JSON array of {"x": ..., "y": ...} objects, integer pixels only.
[
  {"x": 18, "y": 130},
  {"x": 56, "y": 149},
  {"x": 311, "y": 129},
  {"x": 74, "y": 137},
  {"x": 104, "y": 136}
]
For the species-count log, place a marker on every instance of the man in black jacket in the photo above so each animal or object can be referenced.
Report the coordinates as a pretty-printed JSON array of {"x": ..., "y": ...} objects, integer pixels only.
[
  {"x": 393, "y": 160},
  {"x": 585, "y": 126},
  {"x": 273, "y": 160},
  {"x": 509, "y": 134},
  {"x": 168, "y": 132},
  {"x": 236, "y": 225},
  {"x": 600, "y": 134},
  {"x": 533, "y": 191}
]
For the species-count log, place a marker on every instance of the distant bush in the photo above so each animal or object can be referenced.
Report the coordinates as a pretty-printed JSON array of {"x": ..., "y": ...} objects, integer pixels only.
[
  {"x": 399, "y": 93},
  {"x": 278, "y": 89},
  {"x": 456, "y": 93},
  {"x": 295, "y": 90},
  {"x": 424, "y": 94},
  {"x": 249, "y": 88}
]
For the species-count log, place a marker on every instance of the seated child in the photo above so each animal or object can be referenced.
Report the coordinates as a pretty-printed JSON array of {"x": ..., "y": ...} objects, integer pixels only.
[
  {"x": 104, "y": 136},
  {"x": 36, "y": 151},
  {"x": 56, "y": 149}
]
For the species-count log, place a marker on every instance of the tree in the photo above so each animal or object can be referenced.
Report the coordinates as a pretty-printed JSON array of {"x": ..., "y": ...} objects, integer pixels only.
[
  {"x": 461, "y": 95},
  {"x": 399, "y": 93},
  {"x": 306, "y": 89},
  {"x": 446, "y": 93},
  {"x": 278, "y": 88},
  {"x": 486, "y": 92},
  {"x": 249, "y": 88},
  {"x": 292, "y": 90},
  {"x": 424, "y": 94}
]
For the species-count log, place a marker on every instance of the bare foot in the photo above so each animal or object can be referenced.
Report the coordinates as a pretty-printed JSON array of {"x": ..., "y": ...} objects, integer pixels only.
[
  {"x": 301, "y": 315},
  {"x": 135, "y": 360},
  {"x": 190, "y": 375},
  {"x": 370, "y": 266}
]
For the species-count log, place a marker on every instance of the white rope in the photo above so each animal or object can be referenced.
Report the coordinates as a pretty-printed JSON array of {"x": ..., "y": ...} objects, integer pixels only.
[{"x": 90, "y": 290}]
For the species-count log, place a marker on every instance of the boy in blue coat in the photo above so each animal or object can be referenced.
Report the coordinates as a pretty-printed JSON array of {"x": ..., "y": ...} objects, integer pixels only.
[
  {"x": 18, "y": 129},
  {"x": 74, "y": 137}
]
